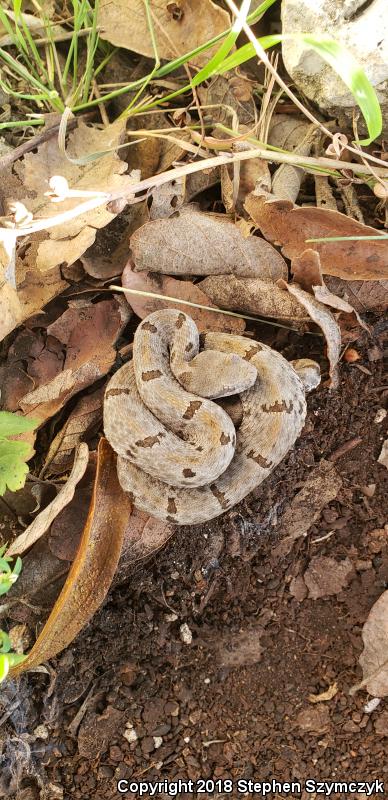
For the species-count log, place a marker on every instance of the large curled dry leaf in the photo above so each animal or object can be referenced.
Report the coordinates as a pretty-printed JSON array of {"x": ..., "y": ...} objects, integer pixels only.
[
  {"x": 45, "y": 369},
  {"x": 290, "y": 226},
  {"x": 320, "y": 488},
  {"x": 105, "y": 174},
  {"x": 183, "y": 290},
  {"x": 324, "y": 318},
  {"x": 93, "y": 567},
  {"x": 193, "y": 243},
  {"x": 374, "y": 657},
  {"x": 363, "y": 295},
  {"x": 179, "y": 27},
  {"x": 42, "y": 522},
  {"x": 253, "y": 296},
  {"x": 84, "y": 418}
]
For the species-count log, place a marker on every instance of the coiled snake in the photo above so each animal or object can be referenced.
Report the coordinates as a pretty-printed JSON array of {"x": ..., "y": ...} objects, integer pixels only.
[{"x": 179, "y": 455}]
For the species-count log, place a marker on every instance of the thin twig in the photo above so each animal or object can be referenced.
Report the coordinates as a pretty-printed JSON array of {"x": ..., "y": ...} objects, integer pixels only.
[
  {"x": 205, "y": 308},
  {"x": 179, "y": 172}
]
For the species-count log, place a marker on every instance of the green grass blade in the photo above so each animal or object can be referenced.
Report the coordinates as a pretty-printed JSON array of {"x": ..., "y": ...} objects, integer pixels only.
[
  {"x": 171, "y": 66},
  {"x": 343, "y": 63},
  {"x": 211, "y": 67}
]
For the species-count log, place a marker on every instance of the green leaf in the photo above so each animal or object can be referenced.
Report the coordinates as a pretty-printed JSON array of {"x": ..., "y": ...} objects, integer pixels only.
[
  {"x": 5, "y": 642},
  {"x": 211, "y": 67},
  {"x": 4, "y": 667},
  {"x": 344, "y": 63},
  {"x": 339, "y": 58},
  {"x": 12, "y": 424},
  {"x": 13, "y": 453},
  {"x": 13, "y": 471}
]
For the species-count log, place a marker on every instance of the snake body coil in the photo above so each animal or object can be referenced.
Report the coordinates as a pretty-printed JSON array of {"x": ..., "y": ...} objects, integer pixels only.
[{"x": 179, "y": 456}]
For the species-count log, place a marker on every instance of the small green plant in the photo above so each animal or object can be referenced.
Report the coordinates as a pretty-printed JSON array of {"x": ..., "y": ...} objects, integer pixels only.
[
  {"x": 8, "y": 576},
  {"x": 13, "y": 454}
]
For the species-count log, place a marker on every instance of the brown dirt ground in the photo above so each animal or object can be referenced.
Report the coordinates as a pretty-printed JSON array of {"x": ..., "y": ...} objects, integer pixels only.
[{"x": 233, "y": 703}]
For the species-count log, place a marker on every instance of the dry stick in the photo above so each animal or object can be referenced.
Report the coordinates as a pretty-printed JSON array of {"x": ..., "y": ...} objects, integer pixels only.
[
  {"x": 260, "y": 52},
  {"x": 206, "y": 308},
  {"x": 37, "y": 140},
  {"x": 188, "y": 169}
]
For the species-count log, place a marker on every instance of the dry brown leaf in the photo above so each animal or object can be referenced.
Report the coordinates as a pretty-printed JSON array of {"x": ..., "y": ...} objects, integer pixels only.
[
  {"x": 66, "y": 529},
  {"x": 245, "y": 175},
  {"x": 321, "y": 487},
  {"x": 167, "y": 199},
  {"x": 93, "y": 567},
  {"x": 363, "y": 295},
  {"x": 183, "y": 290},
  {"x": 324, "y": 318},
  {"x": 103, "y": 174},
  {"x": 253, "y": 296},
  {"x": 152, "y": 155},
  {"x": 290, "y": 226},
  {"x": 197, "y": 182},
  {"x": 143, "y": 537},
  {"x": 325, "y": 576},
  {"x": 307, "y": 274},
  {"x": 79, "y": 349},
  {"x": 105, "y": 259},
  {"x": 194, "y": 243},
  {"x": 44, "y": 519},
  {"x": 230, "y": 96},
  {"x": 10, "y": 308},
  {"x": 83, "y": 420},
  {"x": 178, "y": 27},
  {"x": 323, "y": 697},
  {"x": 296, "y": 135},
  {"x": 374, "y": 657}
]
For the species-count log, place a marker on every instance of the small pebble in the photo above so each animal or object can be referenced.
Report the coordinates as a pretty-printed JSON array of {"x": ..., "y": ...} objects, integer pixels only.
[
  {"x": 207, "y": 680},
  {"x": 351, "y": 355},
  {"x": 371, "y": 705},
  {"x": 130, "y": 733},
  {"x": 41, "y": 732},
  {"x": 185, "y": 633},
  {"x": 158, "y": 741},
  {"x": 380, "y": 416}
]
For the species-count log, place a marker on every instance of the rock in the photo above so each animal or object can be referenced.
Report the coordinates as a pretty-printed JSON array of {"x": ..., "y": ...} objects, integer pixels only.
[
  {"x": 362, "y": 30},
  {"x": 314, "y": 720},
  {"x": 325, "y": 576},
  {"x": 381, "y": 724}
]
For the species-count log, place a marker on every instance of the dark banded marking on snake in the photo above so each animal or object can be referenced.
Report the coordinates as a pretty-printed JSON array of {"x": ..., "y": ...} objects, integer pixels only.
[
  {"x": 117, "y": 392},
  {"x": 181, "y": 319},
  {"x": 260, "y": 460},
  {"x": 151, "y": 374},
  {"x": 278, "y": 407},
  {"x": 148, "y": 326},
  {"x": 191, "y": 409},
  {"x": 252, "y": 352},
  {"x": 220, "y": 496},
  {"x": 171, "y": 505},
  {"x": 149, "y": 441},
  {"x": 188, "y": 473}
]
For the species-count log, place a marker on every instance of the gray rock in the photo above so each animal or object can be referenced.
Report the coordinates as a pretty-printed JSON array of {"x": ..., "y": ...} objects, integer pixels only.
[{"x": 361, "y": 28}]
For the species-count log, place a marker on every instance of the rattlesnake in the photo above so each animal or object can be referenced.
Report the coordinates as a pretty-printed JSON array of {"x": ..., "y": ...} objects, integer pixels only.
[{"x": 179, "y": 455}]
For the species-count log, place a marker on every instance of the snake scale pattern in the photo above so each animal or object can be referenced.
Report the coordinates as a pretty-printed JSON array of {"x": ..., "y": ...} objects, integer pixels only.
[{"x": 179, "y": 455}]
